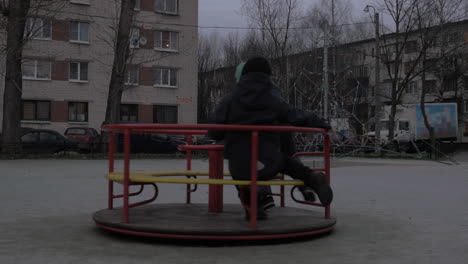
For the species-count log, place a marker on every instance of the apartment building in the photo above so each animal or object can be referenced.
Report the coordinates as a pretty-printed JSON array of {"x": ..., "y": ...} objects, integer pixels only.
[
  {"x": 67, "y": 64},
  {"x": 351, "y": 69}
]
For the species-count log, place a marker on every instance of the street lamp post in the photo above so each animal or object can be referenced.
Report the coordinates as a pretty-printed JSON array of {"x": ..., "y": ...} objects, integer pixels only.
[{"x": 377, "y": 101}]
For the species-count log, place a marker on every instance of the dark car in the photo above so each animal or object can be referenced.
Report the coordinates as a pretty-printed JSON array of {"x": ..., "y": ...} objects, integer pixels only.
[
  {"x": 46, "y": 141},
  {"x": 87, "y": 137},
  {"x": 150, "y": 143}
]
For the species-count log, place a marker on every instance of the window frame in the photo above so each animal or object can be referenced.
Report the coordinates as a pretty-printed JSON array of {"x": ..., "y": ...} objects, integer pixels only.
[
  {"x": 128, "y": 76},
  {"x": 36, "y": 103},
  {"x": 137, "y": 5},
  {"x": 132, "y": 31},
  {"x": 411, "y": 88},
  {"x": 176, "y": 2},
  {"x": 168, "y": 76},
  {"x": 155, "y": 116},
  {"x": 79, "y": 72},
  {"x": 30, "y": 23},
  {"x": 36, "y": 61},
  {"x": 76, "y": 114},
  {"x": 160, "y": 47},
  {"x": 131, "y": 109},
  {"x": 79, "y": 32}
]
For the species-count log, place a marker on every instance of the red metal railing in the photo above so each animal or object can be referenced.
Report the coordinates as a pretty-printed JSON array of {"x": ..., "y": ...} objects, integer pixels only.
[{"x": 215, "y": 197}]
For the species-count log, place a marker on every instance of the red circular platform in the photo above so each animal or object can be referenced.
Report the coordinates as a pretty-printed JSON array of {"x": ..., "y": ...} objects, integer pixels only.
[{"x": 192, "y": 221}]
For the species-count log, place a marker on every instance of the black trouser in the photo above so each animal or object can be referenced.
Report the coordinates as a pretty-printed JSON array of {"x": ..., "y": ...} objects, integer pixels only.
[{"x": 287, "y": 165}]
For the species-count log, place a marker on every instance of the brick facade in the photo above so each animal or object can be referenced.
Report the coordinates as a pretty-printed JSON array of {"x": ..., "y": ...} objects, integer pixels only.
[{"x": 97, "y": 52}]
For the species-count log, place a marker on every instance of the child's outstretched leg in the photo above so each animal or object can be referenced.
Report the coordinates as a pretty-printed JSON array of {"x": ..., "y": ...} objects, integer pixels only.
[{"x": 315, "y": 180}]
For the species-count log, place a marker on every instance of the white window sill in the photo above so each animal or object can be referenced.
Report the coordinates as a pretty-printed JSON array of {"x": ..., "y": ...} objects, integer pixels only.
[
  {"x": 36, "y": 79},
  {"x": 41, "y": 38},
  {"x": 35, "y": 122},
  {"x": 78, "y": 122},
  {"x": 78, "y": 81},
  {"x": 134, "y": 47},
  {"x": 79, "y": 42},
  {"x": 166, "y": 50},
  {"x": 164, "y": 86},
  {"x": 167, "y": 13}
]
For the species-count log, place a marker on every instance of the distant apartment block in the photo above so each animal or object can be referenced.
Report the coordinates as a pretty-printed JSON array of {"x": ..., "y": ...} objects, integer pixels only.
[{"x": 67, "y": 64}]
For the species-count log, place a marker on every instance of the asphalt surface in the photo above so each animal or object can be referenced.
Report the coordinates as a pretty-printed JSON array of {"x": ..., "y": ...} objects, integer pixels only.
[{"x": 388, "y": 211}]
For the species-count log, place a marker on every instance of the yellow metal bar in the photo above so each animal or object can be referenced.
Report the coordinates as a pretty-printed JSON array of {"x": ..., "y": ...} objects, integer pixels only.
[{"x": 151, "y": 179}]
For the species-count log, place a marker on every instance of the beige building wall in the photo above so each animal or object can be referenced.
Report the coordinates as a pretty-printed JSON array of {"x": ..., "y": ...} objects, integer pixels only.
[{"x": 98, "y": 53}]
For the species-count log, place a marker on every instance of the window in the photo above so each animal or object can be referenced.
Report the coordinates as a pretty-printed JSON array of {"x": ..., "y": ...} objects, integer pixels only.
[
  {"x": 164, "y": 114},
  {"x": 47, "y": 137},
  {"x": 137, "y": 4},
  {"x": 78, "y": 71},
  {"x": 166, "y": 40},
  {"x": 411, "y": 88},
  {"x": 38, "y": 28},
  {"x": 430, "y": 86},
  {"x": 36, "y": 69},
  {"x": 450, "y": 85},
  {"x": 77, "y": 112},
  {"x": 409, "y": 66},
  {"x": 132, "y": 75},
  {"x": 404, "y": 125},
  {"x": 165, "y": 77},
  {"x": 129, "y": 113},
  {"x": 35, "y": 110},
  {"x": 135, "y": 38},
  {"x": 411, "y": 46},
  {"x": 29, "y": 138},
  {"x": 79, "y": 32},
  {"x": 166, "y": 6}
]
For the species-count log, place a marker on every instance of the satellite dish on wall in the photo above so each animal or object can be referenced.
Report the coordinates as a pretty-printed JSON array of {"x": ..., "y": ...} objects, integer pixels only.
[{"x": 143, "y": 41}]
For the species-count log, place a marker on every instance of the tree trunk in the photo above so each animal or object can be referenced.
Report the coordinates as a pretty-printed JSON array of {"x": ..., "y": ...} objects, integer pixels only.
[
  {"x": 423, "y": 108},
  {"x": 11, "y": 137},
  {"x": 121, "y": 54}
]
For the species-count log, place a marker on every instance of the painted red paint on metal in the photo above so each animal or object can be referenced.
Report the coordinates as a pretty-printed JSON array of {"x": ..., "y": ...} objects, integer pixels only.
[
  {"x": 253, "y": 178},
  {"x": 217, "y": 169},
  {"x": 110, "y": 193},
  {"x": 188, "y": 156},
  {"x": 210, "y": 237},
  {"x": 327, "y": 168},
  {"x": 126, "y": 174},
  {"x": 215, "y": 192}
]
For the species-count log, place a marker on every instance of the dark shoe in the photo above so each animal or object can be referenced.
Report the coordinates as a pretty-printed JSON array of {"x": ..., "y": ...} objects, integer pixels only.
[
  {"x": 263, "y": 202},
  {"x": 266, "y": 202},
  {"x": 317, "y": 181},
  {"x": 307, "y": 193}
]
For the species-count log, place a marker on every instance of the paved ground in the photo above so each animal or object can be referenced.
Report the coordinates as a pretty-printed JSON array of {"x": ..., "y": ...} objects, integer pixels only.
[{"x": 388, "y": 212}]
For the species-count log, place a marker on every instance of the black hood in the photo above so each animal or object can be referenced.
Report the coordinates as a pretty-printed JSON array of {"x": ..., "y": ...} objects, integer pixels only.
[{"x": 252, "y": 88}]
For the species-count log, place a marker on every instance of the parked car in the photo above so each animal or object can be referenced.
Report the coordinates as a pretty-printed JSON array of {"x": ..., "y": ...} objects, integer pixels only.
[
  {"x": 46, "y": 141},
  {"x": 150, "y": 143},
  {"x": 88, "y": 138}
]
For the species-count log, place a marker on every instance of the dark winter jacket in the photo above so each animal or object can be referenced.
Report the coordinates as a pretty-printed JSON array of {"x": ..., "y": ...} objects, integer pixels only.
[{"x": 256, "y": 101}]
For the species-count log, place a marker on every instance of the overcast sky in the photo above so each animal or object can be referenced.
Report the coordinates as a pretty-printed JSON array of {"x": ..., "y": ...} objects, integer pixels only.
[{"x": 227, "y": 12}]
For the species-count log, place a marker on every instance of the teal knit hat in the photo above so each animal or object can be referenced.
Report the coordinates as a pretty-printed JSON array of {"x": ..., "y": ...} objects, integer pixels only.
[{"x": 239, "y": 70}]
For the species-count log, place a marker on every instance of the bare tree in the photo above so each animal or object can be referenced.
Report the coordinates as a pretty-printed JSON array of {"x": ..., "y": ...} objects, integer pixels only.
[
  {"x": 209, "y": 59},
  {"x": 275, "y": 18},
  {"x": 14, "y": 16},
  {"x": 119, "y": 67},
  {"x": 416, "y": 27}
]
